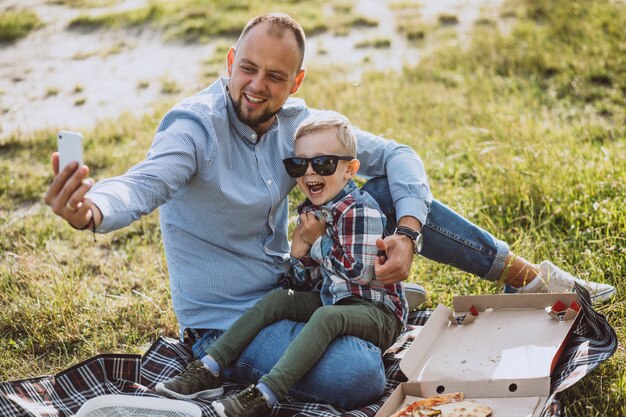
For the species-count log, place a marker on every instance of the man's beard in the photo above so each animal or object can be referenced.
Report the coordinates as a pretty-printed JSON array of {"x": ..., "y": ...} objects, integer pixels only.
[{"x": 253, "y": 122}]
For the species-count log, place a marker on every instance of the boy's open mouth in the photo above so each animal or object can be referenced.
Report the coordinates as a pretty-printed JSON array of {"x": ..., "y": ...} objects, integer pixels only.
[{"x": 315, "y": 187}]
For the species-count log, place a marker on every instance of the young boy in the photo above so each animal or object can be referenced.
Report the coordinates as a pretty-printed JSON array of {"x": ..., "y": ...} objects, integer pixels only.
[{"x": 333, "y": 252}]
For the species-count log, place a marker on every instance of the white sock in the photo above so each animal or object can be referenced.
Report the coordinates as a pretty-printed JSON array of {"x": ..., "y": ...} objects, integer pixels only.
[
  {"x": 268, "y": 394},
  {"x": 211, "y": 364}
]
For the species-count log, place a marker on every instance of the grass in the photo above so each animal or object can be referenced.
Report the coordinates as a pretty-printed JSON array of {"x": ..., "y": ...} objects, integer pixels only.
[
  {"x": 114, "y": 49},
  {"x": 51, "y": 92},
  {"x": 524, "y": 134},
  {"x": 412, "y": 27},
  {"x": 200, "y": 20},
  {"x": 409, "y": 20},
  {"x": 169, "y": 86},
  {"x": 16, "y": 24},
  {"x": 448, "y": 19},
  {"x": 84, "y": 3},
  {"x": 378, "y": 43}
]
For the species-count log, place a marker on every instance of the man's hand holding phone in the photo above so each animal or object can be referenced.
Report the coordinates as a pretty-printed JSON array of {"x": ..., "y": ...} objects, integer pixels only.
[{"x": 66, "y": 194}]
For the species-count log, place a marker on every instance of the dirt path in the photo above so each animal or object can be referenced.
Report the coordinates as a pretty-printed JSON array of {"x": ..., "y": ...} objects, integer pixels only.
[
  {"x": 67, "y": 79},
  {"x": 56, "y": 78}
]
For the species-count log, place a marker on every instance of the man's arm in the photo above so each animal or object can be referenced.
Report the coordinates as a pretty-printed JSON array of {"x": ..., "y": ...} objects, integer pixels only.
[
  {"x": 408, "y": 183},
  {"x": 395, "y": 264},
  {"x": 411, "y": 196},
  {"x": 116, "y": 202}
]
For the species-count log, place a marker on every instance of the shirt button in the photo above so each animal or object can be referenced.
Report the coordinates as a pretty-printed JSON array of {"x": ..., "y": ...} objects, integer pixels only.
[
  {"x": 269, "y": 182},
  {"x": 253, "y": 136}
]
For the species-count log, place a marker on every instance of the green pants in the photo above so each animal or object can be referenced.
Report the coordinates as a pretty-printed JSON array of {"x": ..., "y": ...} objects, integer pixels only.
[{"x": 351, "y": 316}]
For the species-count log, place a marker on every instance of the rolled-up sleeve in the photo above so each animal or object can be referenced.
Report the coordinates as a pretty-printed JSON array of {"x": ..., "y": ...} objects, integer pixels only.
[{"x": 404, "y": 170}]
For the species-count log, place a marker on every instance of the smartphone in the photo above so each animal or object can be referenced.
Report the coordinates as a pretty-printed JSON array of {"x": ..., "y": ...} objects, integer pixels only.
[{"x": 70, "y": 146}]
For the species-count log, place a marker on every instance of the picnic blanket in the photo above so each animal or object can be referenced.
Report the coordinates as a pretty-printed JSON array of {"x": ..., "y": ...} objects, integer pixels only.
[{"x": 592, "y": 342}]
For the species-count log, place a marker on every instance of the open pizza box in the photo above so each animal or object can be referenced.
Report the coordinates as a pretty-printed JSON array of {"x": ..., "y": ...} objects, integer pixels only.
[{"x": 501, "y": 356}]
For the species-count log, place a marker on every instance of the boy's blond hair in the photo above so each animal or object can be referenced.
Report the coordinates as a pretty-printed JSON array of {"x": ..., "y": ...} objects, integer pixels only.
[{"x": 327, "y": 119}]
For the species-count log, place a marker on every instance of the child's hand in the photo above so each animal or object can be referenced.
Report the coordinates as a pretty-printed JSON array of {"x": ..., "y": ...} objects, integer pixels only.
[
  {"x": 299, "y": 248},
  {"x": 311, "y": 228}
]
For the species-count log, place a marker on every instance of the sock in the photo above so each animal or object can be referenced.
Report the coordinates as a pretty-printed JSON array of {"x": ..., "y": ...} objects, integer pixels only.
[
  {"x": 269, "y": 395},
  {"x": 211, "y": 364},
  {"x": 532, "y": 286}
]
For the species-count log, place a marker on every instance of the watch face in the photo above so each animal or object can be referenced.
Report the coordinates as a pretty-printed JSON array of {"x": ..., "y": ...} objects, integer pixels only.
[{"x": 419, "y": 242}]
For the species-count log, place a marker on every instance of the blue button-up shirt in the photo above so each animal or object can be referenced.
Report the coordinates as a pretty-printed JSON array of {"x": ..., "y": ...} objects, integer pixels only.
[{"x": 223, "y": 197}]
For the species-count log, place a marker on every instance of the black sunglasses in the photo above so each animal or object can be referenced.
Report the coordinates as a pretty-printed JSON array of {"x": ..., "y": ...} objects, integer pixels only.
[{"x": 324, "y": 165}]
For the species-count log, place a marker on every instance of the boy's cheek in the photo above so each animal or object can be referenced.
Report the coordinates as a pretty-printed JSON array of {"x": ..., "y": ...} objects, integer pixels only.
[{"x": 300, "y": 184}]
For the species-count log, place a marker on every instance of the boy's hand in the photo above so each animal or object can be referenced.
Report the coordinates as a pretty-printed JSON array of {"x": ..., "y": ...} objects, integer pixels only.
[
  {"x": 299, "y": 248},
  {"x": 311, "y": 228}
]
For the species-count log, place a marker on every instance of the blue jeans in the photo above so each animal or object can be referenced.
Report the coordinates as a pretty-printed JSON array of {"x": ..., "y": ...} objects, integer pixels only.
[
  {"x": 351, "y": 373},
  {"x": 448, "y": 238},
  {"x": 369, "y": 321}
]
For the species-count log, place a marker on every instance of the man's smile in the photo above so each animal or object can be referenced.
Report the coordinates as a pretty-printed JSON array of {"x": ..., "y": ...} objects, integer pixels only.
[{"x": 253, "y": 99}]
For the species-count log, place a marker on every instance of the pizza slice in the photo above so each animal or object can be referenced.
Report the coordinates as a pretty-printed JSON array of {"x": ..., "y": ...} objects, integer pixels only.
[
  {"x": 463, "y": 409},
  {"x": 425, "y": 406}
]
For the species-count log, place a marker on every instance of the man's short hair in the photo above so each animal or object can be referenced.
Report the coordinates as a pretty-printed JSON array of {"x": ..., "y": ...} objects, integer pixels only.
[
  {"x": 327, "y": 119},
  {"x": 280, "y": 21}
]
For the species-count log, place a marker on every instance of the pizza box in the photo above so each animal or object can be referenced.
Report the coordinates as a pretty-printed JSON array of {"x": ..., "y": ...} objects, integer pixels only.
[{"x": 500, "y": 356}]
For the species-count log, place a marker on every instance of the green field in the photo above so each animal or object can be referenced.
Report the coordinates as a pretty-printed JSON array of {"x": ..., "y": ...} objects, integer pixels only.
[{"x": 523, "y": 133}]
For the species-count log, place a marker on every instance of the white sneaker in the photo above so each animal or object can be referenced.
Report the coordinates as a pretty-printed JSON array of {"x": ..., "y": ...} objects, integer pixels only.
[
  {"x": 415, "y": 294},
  {"x": 557, "y": 280}
]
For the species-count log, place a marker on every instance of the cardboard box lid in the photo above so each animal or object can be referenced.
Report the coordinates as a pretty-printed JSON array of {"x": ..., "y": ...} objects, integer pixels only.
[{"x": 508, "y": 351}]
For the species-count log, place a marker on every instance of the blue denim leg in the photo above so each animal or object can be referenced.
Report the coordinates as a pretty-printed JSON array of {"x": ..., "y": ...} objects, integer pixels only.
[
  {"x": 336, "y": 379},
  {"x": 449, "y": 238},
  {"x": 201, "y": 343}
]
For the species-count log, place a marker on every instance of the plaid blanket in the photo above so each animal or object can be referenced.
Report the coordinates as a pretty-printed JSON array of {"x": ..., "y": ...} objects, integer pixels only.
[{"x": 592, "y": 342}]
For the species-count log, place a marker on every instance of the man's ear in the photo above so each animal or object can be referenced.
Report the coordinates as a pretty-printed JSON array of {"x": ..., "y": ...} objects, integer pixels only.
[
  {"x": 352, "y": 169},
  {"x": 230, "y": 58},
  {"x": 298, "y": 81}
]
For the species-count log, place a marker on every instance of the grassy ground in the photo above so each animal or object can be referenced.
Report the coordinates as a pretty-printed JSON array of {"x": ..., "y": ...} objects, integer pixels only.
[
  {"x": 15, "y": 24},
  {"x": 200, "y": 20},
  {"x": 525, "y": 134}
]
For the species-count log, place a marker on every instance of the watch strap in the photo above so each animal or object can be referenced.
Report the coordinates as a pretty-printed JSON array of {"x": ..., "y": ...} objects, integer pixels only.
[
  {"x": 407, "y": 231},
  {"x": 414, "y": 235}
]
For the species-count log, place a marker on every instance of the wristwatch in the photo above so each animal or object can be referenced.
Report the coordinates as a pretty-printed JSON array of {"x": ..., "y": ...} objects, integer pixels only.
[{"x": 416, "y": 237}]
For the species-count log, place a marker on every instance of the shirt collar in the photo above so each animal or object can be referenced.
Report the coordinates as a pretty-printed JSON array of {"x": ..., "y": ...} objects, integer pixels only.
[{"x": 242, "y": 129}]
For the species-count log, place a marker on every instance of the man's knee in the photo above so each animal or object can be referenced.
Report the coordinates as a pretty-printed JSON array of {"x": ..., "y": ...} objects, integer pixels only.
[{"x": 350, "y": 374}]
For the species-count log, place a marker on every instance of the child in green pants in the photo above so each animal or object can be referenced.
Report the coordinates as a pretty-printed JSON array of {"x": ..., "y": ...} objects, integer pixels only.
[{"x": 332, "y": 255}]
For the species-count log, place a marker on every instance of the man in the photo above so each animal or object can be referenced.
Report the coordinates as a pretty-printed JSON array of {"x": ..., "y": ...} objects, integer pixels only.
[{"x": 217, "y": 158}]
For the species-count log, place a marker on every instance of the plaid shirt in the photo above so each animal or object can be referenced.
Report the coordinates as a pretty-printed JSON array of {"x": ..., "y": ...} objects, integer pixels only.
[{"x": 341, "y": 262}]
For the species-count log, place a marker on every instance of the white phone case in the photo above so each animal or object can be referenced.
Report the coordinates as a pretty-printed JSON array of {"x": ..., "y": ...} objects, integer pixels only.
[{"x": 70, "y": 145}]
